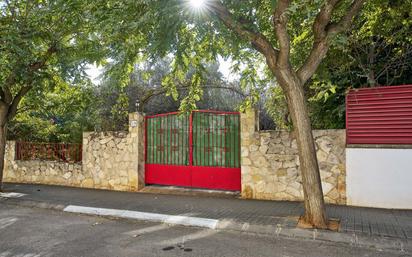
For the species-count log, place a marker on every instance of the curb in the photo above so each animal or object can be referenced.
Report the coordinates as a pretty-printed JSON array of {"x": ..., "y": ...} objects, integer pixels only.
[
  {"x": 33, "y": 204},
  {"x": 145, "y": 216},
  {"x": 359, "y": 240},
  {"x": 387, "y": 243}
]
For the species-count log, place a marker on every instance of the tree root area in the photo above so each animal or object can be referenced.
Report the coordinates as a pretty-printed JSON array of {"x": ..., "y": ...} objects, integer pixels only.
[{"x": 333, "y": 224}]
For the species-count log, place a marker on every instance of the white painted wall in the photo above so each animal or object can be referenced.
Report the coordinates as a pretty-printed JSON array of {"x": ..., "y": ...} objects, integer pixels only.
[{"x": 379, "y": 177}]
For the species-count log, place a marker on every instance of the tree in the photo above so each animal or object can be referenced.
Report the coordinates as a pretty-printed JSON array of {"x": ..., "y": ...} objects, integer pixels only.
[
  {"x": 378, "y": 51},
  {"x": 41, "y": 42},
  {"x": 292, "y": 82},
  {"x": 145, "y": 89},
  {"x": 249, "y": 32},
  {"x": 59, "y": 114}
]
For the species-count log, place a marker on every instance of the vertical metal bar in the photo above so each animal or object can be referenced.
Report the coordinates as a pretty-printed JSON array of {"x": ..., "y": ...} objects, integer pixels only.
[
  {"x": 238, "y": 139},
  {"x": 153, "y": 127},
  {"x": 196, "y": 140},
  {"x": 221, "y": 140},
  {"x": 166, "y": 142},
  {"x": 205, "y": 122},
  {"x": 66, "y": 156},
  {"x": 211, "y": 150},
  {"x": 225, "y": 141},
  {"x": 198, "y": 145},
  {"x": 213, "y": 139},
  {"x": 161, "y": 139},
  {"x": 152, "y": 140},
  {"x": 180, "y": 143},
  {"x": 169, "y": 138},
  {"x": 191, "y": 139},
  {"x": 212, "y": 133},
  {"x": 174, "y": 139},
  {"x": 187, "y": 150},
  {"x": 145, "y": 139},
  {"x": 232, "y": 142},
  {"x": 16, "y": 150}
]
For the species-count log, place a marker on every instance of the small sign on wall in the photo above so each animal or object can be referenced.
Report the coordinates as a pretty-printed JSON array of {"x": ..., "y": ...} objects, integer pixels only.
[{"x": 133, "y": 123}]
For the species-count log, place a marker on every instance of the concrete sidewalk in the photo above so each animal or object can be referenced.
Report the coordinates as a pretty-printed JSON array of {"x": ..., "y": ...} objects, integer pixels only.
[{"x": 390, "y": 227}]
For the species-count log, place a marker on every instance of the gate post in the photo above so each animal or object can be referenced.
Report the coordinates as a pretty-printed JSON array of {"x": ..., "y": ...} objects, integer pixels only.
[
  {"x": 249, "y": 125},
  {"x": 137, "y": 144}
]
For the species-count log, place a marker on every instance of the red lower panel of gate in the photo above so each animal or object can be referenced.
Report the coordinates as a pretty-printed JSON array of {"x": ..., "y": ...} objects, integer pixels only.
[
  {"x": 216, "y": 178},
  {"x": 171, "y": 175},
  {"x": 219, "y": 178}
]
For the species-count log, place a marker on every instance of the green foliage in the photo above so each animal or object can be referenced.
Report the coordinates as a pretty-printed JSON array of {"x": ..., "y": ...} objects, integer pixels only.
[
  {"x": 378, "y": 51},
  {"x": 277, "y": 108},
  {"x": 59, "y": 115},
  {"x": 44, "y": 48},
  {"x": 50, "y": 31}
]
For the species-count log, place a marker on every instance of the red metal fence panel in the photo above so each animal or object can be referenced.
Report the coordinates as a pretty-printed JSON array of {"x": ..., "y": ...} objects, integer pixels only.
[
  {"x": 381, "y": 115},
  {"x": 26, "y": 151}
]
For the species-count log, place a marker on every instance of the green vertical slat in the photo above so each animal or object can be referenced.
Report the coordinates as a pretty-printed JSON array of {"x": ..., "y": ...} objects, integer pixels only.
[
  {"x": 233, "y": 141},
  {"x": 167, "y": 142},
  {"x": 237, "y": 142},
  {"x": 169, "y": 138},
  {"x": 194, "y": 139},
  {"x": 225, "y": 139},
  {"x": 195, "y": 121},
  {"x": 207, "y": 141},
  {"x": 150, "y": 132},
  {"x": 156, "y": 141},
  {"x": 162, "y": 140},
  {"x": 148, "y": 141},
  {"x": 156, "y": 136}
]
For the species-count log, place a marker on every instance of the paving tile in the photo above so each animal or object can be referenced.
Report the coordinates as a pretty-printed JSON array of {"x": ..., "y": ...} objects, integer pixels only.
[{"x": 370, "y": 221}]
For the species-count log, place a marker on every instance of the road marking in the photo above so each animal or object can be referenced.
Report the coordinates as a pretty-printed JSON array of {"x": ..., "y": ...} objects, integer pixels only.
[
  {"x": 12, "y": 195},
  {"x": 190, "y": 237},
  {"x": 147, "y": 230},
  {"x": 11, "y": 254},
  {"x": 148, "y": 216},
  {"x": 5, "y": 222}
]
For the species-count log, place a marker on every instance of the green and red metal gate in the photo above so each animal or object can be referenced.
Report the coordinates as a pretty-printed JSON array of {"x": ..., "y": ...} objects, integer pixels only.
[{"x": 200, "y": 149}]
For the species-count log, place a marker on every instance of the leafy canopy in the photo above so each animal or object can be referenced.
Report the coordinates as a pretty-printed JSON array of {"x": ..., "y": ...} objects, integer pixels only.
[{"x": 136, "y": 31}]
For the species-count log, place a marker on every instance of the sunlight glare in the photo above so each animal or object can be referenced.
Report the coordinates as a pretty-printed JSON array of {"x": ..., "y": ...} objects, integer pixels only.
[{"x": 197, "y": 3}]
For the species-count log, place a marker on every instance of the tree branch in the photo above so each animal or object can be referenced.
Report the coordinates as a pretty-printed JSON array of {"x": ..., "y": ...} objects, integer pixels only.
[
  {"x": 13, "y": 107},
  {"x": 320, "y": 44},
  {"x": 280, "y": 20},
  {"x": 345, "y": 22},
  {"x": 13, "y": 102},
  {"x": 259, "y": 41},
  {"x": 323, "y": 30}
]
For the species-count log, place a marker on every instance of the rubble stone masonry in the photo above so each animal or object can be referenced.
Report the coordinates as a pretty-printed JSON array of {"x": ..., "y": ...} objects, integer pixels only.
[{"x": 270, "y": 163}]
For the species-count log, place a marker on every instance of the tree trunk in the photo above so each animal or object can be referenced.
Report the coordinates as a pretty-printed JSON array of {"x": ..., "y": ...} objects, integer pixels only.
[
  {"x": 3, "y": 130},
  {"x": 315, "y": 213}
]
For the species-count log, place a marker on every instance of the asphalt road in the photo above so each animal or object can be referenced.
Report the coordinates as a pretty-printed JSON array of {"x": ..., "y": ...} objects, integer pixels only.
[{"x": 27, "y": 232}]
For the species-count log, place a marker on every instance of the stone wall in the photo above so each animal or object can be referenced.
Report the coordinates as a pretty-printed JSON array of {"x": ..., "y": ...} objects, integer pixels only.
[
  {"x": 270, "y": 163},
  {"x": 115, "y": 159},
  {"x": 41, "y": 172},
  {"x": 111, "y": 160}
]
